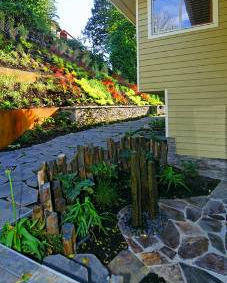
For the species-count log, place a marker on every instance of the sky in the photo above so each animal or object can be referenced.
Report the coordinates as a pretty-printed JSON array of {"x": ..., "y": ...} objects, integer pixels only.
[{"x": 74, "y": 15}]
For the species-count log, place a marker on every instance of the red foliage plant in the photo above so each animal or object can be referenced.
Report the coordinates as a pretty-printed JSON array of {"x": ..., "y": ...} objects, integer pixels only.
[
  {"x": 117, "y": 96},
  {"x": 66, "y": 81}
]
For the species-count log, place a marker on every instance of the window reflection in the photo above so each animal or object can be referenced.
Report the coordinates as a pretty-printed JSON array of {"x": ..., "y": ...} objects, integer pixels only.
[{"x": 169, "y": 15}]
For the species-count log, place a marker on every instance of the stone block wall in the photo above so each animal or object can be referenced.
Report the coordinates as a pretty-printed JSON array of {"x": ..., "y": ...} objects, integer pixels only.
[{"x": 91, "y": 115}]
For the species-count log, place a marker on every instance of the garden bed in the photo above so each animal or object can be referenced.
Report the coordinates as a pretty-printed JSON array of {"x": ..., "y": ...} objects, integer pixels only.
[{"x": 107, "y": 188}]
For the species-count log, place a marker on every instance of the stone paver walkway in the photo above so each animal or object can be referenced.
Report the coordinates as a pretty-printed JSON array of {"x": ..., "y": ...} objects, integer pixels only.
[
  {"x": 25, "y": 162},
  {"x": 14, "y": 265}
]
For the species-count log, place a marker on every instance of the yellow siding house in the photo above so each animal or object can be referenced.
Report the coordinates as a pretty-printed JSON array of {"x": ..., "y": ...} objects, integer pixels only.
[{"x": 182, "y": 50}]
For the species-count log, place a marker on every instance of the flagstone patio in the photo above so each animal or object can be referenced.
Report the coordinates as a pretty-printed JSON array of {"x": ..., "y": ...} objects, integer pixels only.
[{"x": 192, "y": 248}]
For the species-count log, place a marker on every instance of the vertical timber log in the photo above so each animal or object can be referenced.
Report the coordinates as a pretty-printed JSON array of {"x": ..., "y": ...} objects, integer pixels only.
[
  {"x": 143, "y": 177},
  {"x": 69, "y": 239},
  {"x": 61, "y": 164},
  {"x": 136, "y": 191},
  {"x": 53, "y": 170},
  {"x": 52, "y": 223},
  {"x": 42, "y": 174},
  {"x": 153, "y": 189},
  {"x": 37, "y": 213},
  {"x": 45, "y": 197}
]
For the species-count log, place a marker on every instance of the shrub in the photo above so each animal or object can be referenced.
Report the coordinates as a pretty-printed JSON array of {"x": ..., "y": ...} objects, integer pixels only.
[
  {"x": 85, "y": 217},
  {"x": 171, "y": 178}
]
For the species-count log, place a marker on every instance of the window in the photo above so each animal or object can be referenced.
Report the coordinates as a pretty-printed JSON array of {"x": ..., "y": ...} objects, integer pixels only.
[{"x": 168, "y": 16}]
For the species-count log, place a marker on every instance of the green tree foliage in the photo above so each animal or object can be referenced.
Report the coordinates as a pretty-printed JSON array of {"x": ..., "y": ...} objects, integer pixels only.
[
  {"x": 33, "y": 14},
  {"x": 112, "y": 35}
]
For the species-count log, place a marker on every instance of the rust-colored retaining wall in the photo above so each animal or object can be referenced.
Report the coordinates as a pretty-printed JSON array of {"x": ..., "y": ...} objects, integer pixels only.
[{"x": 13, "y": 123}]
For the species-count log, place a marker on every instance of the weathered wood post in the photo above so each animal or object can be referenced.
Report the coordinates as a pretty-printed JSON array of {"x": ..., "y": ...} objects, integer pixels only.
[
  {"x": 152, "y": 189},
  {"x": 69, "y": 239},
  {"x": 136, "y": 191},
  {"x": 45, "y": 197},
  {"x": 37, "y": 213},
  {"x": 52, "y": 223}
]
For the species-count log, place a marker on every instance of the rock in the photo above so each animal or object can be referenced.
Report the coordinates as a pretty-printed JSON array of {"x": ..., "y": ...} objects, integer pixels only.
[
  {"x": 129, "y": 266},
  {"x": 193, "y": 213},
  {"x": 117, "y": 279},
  {"x": 189, "y": 229},
  {"x": 216, "y": 242},
  {"x": 65, "y": 265},
  {"x": 192, "y": 247},
  {"x": 98, "y": 271},
  {"x": 152, "y": 258},
  {"x": 172, "y": 213},
  {"x": 210, "y": 225},
  {"x": 174, "y": 203},
  {"x": 171, "y": 273},
  {"x": 168, "y": 252},
  {"x": 3, "y": 180},
  {"x": 134, "y": 246},
  {"x": 217, "y": 217},
  {"x": 214, "y": 207},
  {"x": 220, "y": 191},
  {"x": 198, "y": 201},
  {"x": 213, "y": 262},
  {"x": 146, "y": 241},
  {"x": 196, "y": 275},
  {"x": 170, "y": 235}
]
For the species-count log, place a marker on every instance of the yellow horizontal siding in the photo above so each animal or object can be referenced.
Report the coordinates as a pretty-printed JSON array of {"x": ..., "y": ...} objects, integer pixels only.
[{"x": 192, "y": 66}]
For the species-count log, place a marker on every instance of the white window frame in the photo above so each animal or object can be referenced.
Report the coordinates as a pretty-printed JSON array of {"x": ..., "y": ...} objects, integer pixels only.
[{"x": 214, "y": 24}]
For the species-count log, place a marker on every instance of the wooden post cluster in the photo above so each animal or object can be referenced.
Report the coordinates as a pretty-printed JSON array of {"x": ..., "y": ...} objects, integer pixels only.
[{"x": 136, "y": 155}]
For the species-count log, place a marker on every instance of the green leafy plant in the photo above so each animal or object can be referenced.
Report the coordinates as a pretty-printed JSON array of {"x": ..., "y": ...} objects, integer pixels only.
[
  {"x": 157, "y": 124},
  {"x": 171, "y": 178},
  {"x": 103, "y": 170},
  {"x": 190, "y": 168},
  {"x": 73, "y": 186},
  {"x": 18, "y": 236},
  {"x": 85, "y": 217},
  {"x": 105, "y": 194}
]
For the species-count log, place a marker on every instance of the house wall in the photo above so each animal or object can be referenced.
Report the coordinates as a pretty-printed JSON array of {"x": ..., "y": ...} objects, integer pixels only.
[{"x": 192, "y": 67}]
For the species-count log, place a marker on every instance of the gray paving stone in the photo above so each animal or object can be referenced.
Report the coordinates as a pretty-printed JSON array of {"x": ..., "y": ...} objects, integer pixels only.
[
  {"x": 65, "y": 265},
  {"x": 129, "y": 266},
  {"x": 25, "y": 195},
  {"x": 6, "y": 212},
  {"x": 7, "y": 277},
  {"x": 98, "y": 271},
  {"x": 196, "y": 275},
  {"x": 32, "y": 182}
]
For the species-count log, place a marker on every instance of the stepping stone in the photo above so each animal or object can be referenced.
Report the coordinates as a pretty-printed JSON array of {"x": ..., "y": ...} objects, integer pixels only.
[
  {"x": 24, "y": 195},
  {"x": 189, "y": 229},
  {"x": 193, "y": 213},
  {"x": 217, "y": 217},
  {"x": 134, "y": 246},
  {"x": 172, "y": 213},
  {"x": 153, "y": 258},
  {"x": 171, "y": 273},
  {"x": 198, "y": 201},
  {"x": 175, "y": 203},
  {"x": 214, "y": 207},
  {"x": 170, "y": 235},
  {"x": 67, "y": 267},
  {"x": 210, "y": 225},
  {"x": 147, "y": 242},
  {"x": 220, "y": 191},
  {"x": 117, "y": 279},
  {"x": 6, "y": 212},
  {"x": 129, "y": 266},
  {"x": 196, "y": 275},
  {"x": 192, "y": 247},
  {"x": 168, "y": 252},
  {"x": 96, "y": 270},
  {"x": 213, "y": 262},
  {"x": 217, "y": 242}
]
